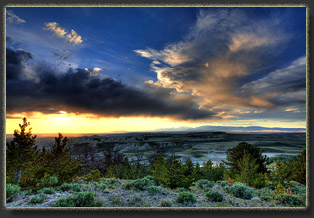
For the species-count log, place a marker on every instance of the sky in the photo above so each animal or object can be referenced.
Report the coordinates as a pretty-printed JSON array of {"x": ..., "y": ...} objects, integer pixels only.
[{"x": 117, "y": 69}]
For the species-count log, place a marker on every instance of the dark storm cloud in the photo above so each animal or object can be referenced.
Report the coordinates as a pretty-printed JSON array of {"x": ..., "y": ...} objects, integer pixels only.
[
  {"x": 77, "y": 90},
  {"x": 15, "y": 63}
]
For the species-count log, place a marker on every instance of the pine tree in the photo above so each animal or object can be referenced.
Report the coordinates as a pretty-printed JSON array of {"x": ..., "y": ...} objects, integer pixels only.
[
  {"x": 299, "y": 168},
  {"x": 160, "y": 170},
  {"x": 60, "y": 161},
  {"x": 207, "y": 170},
  {"x": 248, "y": 169},
  {"x": 237, "y": 152},
  {"x": 21, "y": 152},
  {"x": 176, "y": 176},
  {"x": 188, "y": 167},
  {"x": 197, "y": 174}
]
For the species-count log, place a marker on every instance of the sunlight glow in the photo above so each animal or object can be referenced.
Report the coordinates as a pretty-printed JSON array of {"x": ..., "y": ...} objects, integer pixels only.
[{"x": 67, "y": 122}]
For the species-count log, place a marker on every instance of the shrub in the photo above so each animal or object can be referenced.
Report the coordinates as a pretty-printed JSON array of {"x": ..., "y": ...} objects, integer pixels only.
[
  {"x": 12, "y": 191},
  {"x": 139, "y": 184},
  {"x": 298, "y": 190},
  {"x": 99, "y": 203},
  {"x": 182, "y": 189},
  {"x": 290, "y": 200},
  {"x": 279, "y": 189},
  {"x": 218, "y": 204},
  {"x": 116, "y": 200},
  {"x": 224, "y": 183},
  {"x": 38, "y": 199},
  {"x": 100, "y": 186},
  {"x": 214, "y": 196},
  {"x": 203, "y": 183},
  {"x": 166, "y": 203},
  {"x": 94, "y": 175},
  {"x": 65, "y": 187},
  {"x": 53, "y": 181},
  {"x": 240, "y": 190},
  {"x": 85, "y": 199},
  {"x": 186, "y": 197},
  {"x": 266, "y": 194},
  {"x": 47, "y": 190},
  {"x": 154, "y": 189},
  {"x": 113, "y": 181},
  {"x": 76, "y": 187}
]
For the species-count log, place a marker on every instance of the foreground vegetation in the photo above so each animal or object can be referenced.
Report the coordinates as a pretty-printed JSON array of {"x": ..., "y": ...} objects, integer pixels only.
[{"x": 55, "y": 178}]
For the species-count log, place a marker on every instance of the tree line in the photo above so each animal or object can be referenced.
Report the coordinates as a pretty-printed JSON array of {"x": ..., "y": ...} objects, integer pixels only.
[{"x": 30, "y": 167}]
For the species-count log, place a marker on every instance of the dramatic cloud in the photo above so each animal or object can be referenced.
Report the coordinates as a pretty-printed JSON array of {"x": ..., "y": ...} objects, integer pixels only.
[
  {"x": 77, "y": 90},
  {"x": 12, "y": 18},
  {"x": 222, "y": 52},
  {"x": 16, "y": 63},
  {"x": 286, "y": 86},
  {"x": 60, "y": 32}
]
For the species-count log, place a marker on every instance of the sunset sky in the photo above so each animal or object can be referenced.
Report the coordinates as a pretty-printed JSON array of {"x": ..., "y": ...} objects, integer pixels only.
[{"x": 112, "y": 69}]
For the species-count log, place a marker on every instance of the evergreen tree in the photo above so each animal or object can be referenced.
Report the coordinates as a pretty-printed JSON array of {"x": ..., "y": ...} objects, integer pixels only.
[
  {"x": 207, "y": 170},
  {"x": 282, "y": 173},
  {"x": 299, "y": 168},
  {"x": 248, "y": 169},
  {"x": 188, "y": 167},
  {"x": 160, "y": 170},
  {"x": 176, "y": 176},
  {"x": 237, "y": 152},
  {"x": 21, "y": 153},
  {"x": 61, "y": 162},
  {"x": 197, "y": 174}
]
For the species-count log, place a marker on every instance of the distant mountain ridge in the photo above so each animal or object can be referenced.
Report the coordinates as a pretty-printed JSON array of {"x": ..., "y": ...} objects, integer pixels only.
[{"x": 235, "y": 129}]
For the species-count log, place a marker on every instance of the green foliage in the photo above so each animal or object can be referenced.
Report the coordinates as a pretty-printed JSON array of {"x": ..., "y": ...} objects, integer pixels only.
[
  {"x": 85, "y": 199},
  {"x": 282, "y": 173},
  {"x": 243, "y": 191},
  {"x": 47, "y": 190},
  {"x": 60, "y": 161},
  {"x": 176, "y": 176},
  {"x": 100, "y": 185},
  {"x": 99, "y": 203},
  {"x": 76, "y": 187},
  {"x": 186, "y": 197},
  {"x": 30, "y": 168},
  {"x": 53, "y": 181},
  {"x": 236, "y": 153},
  {"x": 203, "y": 183},
  {"x": 214, "y": 195},
  {"x": 297, "y": 190},
  {"x": 280, "y": 189},
  {"x": 218, "y": 204},
  {"x": 154, "y": 189},
  {"x": 224, "y": 183},
  {"x": 211, "y": 172},
  {"x": 94, "y": 175},
  {"x": 12, "y": 191},
  {"x": 139, "y": 184},
  {"x": 116, "y": 200},
  {"x": 21, "y": 154},
  {"x": 247, "y": 169},
  {"x": 65, "y": 187},
  {"x": 180, "y": 189},
  {"x": 160, "y": 170},
  {"x": 299, "y": 168},
  {"x": 197, "y": 174},
  {"x": 166, "y": 203},
  {"x": 291, "y": 200},
  {"x": 38, "y": 199}
]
